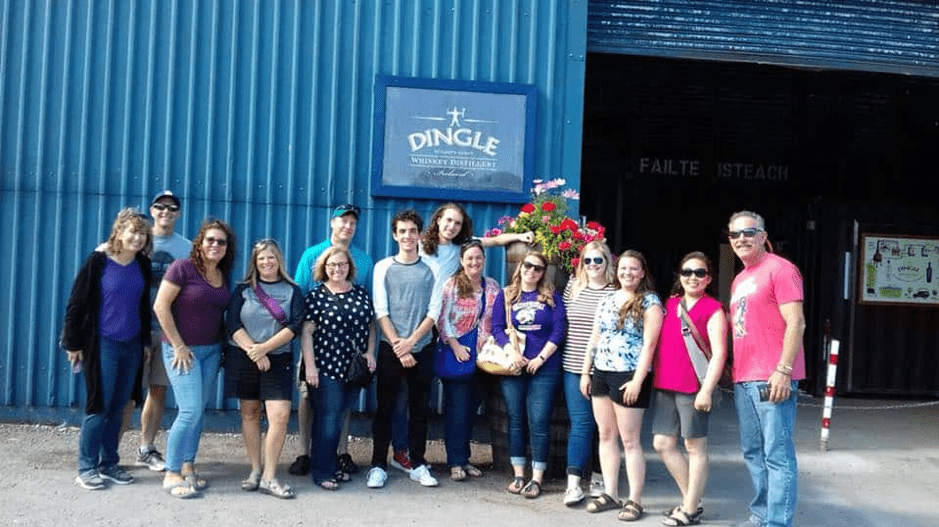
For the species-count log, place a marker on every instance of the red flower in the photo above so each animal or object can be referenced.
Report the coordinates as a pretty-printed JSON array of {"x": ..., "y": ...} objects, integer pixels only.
[
  {"x": 564, "y": 246},
  {"x": 575, "y": 262},
  {"x": 548, "y": 206},
  {"x": 577, "y": 235},
  {"x": 592, "y": 225},
  {"x": 555, "y": 229},
  {"x": 569, "y": 225},
  {"x": 528, "y": 207}
]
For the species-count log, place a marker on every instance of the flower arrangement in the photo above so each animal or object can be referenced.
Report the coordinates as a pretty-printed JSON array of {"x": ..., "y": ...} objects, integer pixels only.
[{"x": 561, "y": 238}]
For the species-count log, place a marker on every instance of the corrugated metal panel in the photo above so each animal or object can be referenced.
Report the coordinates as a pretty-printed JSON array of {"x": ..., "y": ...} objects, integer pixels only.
[
  {"x": 256, "y": 112},
  {"x": 863, "y": 35}
]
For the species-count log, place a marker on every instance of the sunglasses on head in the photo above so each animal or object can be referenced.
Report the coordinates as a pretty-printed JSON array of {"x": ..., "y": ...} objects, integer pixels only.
[
  {"x": 265, "y": 242},
  {"x": 345, "y": 209},
  {"x": 166, "y": 206},
  {"x": 536, "y": 267},
  {"x": 597, "y": 260},
  {"x": 700, "y": 273},
  {"x": 749, "y": 232}
]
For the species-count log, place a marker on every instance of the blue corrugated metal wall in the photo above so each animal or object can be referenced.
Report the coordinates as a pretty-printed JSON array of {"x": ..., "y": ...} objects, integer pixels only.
[
  {"x": 883, "y": 36},
  {"x": 255, "y": 112}
]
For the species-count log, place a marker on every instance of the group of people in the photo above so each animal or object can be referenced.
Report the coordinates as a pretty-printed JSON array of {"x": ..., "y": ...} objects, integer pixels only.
[{"x": 607, "y": 341}]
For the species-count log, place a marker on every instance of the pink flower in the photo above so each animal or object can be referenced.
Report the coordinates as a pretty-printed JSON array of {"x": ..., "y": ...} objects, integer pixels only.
[
  {"x": 495, "y": 231},
  {"x": 575, "y": 262}
]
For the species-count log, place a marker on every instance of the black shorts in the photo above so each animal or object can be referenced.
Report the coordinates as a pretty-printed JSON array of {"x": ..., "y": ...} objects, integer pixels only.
[
  {"x": 244, "y": 380},
  {"x": 608, "y": 383}
]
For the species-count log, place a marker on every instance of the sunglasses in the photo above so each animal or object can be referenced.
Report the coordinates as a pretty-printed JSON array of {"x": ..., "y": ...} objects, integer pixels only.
[
  {"x": 221, "y": 242},
  {"x": 536, "y": 267},
  {"x": 166, "y": 206},
  {"x": 700, "y": 273},
  {"x": 345, "y": 209},
  {"x": 749, "y": 232},
  {"x": 266, "y": 242},
  {"x": 594, "y": 261}
]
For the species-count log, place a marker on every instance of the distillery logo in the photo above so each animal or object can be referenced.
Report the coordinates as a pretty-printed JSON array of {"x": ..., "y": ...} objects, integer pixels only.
[{"x": 461, "y": 136}]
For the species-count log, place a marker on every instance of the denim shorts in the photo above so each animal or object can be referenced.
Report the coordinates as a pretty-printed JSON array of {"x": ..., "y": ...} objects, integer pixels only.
[
  {"x": 245, "y": 381},
  {"x": 607, "y": 384},
  {"x": 674, "y": 413}
]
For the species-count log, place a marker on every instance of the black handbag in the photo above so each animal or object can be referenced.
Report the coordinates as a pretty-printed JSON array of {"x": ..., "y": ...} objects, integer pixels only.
[{"x": 357, "y": 374}]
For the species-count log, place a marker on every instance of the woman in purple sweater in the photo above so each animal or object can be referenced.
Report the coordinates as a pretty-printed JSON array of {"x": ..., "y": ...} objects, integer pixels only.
[{"x": 537, "y": 312}]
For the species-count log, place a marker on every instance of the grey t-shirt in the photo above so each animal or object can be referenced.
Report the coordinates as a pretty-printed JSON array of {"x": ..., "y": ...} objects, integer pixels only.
[
  {"x": 166, "y": 250},
  {"x": 245, "y": 311},
  {"x": 402, "y": 293}
]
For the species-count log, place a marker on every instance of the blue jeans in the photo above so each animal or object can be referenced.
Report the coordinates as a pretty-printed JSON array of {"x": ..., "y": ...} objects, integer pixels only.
[
  {"x": 192, "y": 390},
  {"x": 769, "y": 452},
  {"x": 583, "y": 435},
  {"x": 532, "y": 395},
  {"x": 97, "y": 444},
  {"x": 459, "y": 411},
  {"x": 331, "y": 400}
]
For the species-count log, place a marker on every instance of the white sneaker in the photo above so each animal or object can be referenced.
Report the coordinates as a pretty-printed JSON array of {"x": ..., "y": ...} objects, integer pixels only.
[
  {"x": 573, "y": 496},
  {"x": 422, "y": 475},
  {"x": 597, "y": 488},
  {"x": 376, "y": 478}
]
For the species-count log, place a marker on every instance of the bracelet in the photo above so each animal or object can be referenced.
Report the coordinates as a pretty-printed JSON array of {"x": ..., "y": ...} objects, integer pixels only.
[
  {"x": 542, "y": 357},
  {"x": 783, "y": 369}
]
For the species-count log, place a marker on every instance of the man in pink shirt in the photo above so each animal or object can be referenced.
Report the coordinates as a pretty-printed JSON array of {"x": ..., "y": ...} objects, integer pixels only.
[{"x": 767, "y": 324}]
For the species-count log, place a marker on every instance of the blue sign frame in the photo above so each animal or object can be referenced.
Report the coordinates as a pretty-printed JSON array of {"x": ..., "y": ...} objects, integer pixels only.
[{"x": 453, "y": 140}]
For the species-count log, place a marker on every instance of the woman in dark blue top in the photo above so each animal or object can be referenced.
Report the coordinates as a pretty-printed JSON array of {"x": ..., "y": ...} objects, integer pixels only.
[{"x": 537, "y": 311}]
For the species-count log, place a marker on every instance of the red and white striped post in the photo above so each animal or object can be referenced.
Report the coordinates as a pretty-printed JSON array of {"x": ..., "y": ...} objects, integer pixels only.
[{"x": 829, "y": 393}]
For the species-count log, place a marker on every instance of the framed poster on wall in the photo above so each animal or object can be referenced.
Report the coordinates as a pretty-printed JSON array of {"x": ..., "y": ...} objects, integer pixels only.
[
  {"x": 453, "y": 140},
  {"x": 899, "y": 270}
]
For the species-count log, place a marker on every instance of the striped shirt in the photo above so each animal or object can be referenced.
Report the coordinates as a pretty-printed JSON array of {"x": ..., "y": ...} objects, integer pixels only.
[{"x": 580, "y": 316}]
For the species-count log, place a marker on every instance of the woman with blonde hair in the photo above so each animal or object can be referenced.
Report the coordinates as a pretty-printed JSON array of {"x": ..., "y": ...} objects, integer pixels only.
[
  {"x": 592, "y": 281},
  {"x": 190, "y": 306},
  {"x": 107, "y": 325},
  {"x": 616, "y": 378},
  {"x": 339, "y": 324},
  {"x": 264, "y": 315},
  {"x": 531, "y": 306}
]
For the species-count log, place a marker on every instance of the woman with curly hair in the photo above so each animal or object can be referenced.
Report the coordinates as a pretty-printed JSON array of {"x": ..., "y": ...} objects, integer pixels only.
[
  {"x": 616, "y": 377},
  {"x": 534, "y": 309},
  {"x": 107, "y": 325},
  {"x": 190, "y": 305}
]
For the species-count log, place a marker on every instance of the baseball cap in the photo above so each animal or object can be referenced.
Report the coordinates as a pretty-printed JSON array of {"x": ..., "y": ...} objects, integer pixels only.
[
  {"x": 344, "y": 209},
  {"x": 166, "y": 194}
]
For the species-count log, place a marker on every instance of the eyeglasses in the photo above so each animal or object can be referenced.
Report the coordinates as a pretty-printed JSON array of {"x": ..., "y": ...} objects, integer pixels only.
[
  {"x": 598, "y": 260},
  {"x": 166, "y": 206},
  {"x": 749, "y": 232},
  {"x": 221, "y": 242},
  {"x": 337, "y": 265},
  {"x": 700, "y": 273},
  {"x": 536, "y": 267}
]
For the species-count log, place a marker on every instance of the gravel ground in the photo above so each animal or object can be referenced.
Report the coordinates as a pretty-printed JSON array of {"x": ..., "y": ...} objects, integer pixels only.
[{"x": 880, "y": 471}]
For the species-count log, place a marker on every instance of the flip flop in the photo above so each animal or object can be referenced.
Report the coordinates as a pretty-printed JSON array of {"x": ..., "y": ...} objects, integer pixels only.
[
  {"x": 532, "y": 490},
  {"x": 516, "y": 486},
  {"x": 457, "y": 473},
  {"x": 472, "y": 471},
  {"x": 252, "y": 482},
  {"x": 196, "y": 482},
  {"x": 181, "y": 489}
]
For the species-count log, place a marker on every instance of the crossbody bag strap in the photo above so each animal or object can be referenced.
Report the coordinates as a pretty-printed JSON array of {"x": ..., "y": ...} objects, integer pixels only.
[
  {"x": 272, "y": 306},
  {"x": 698, "y": 350}
]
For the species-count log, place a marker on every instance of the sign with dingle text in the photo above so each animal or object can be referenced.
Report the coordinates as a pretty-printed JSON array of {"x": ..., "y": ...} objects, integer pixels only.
[
  {"x": 898, "y": 270},
  {"x": 453, "y": 140}
]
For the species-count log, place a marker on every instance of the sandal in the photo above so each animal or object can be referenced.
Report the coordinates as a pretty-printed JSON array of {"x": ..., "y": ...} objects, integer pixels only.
[
  {"x": 630, "y": 512},
  {"x": 604, "y": 503},
  {"x": 196, "y": 482},
  {"x": 341, "y": 476},
  {"x": 276, "y": 489},
  {"x": 252, "y": 482},
  {"x": 345, "y": 463},
  {"x": 697, "y": 513},
  {"x": 532, "y": 490},
  {"x": 680, "y": 517},
  {"x": 329, "y": 484},
  {"x": 457, "y": 473},
  {"x": 516, "y": 486},
  {"x": 181, "y": 489},
  {"x": 472, "y": 471}
]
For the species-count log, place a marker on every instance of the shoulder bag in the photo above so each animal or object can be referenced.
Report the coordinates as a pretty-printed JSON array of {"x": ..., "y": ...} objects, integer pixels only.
[{"x": 496, "y": 359}]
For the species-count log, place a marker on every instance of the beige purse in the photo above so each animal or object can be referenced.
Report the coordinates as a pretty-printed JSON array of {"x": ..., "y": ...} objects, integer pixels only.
[{"x": 496, "y": 359}]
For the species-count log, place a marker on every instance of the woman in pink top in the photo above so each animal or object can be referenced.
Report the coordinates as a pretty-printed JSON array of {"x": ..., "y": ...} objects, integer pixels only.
[{"x": 682, "y": 402}]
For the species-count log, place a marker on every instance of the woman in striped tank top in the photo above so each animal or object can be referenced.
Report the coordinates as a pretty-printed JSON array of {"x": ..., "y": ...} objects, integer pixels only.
[{"x": 591, "y": 282}]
